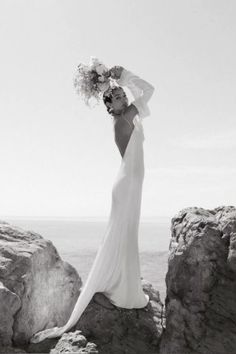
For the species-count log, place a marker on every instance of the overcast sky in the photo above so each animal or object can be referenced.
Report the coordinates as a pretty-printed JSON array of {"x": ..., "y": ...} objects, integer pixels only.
[{"x": 58, "y": 157}]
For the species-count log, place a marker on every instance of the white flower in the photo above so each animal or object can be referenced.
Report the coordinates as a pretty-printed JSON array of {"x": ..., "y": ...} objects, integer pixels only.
[
  {"x": 100, "y": 69},
  {"x": 88, "y": 84}
]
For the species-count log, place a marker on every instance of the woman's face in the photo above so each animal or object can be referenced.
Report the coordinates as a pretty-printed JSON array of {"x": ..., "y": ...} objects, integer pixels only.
[{"x": 119, "y": 100}]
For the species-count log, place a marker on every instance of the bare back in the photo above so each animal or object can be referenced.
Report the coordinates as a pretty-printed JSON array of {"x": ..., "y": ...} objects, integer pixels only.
[{"x": 124, "y": 127}]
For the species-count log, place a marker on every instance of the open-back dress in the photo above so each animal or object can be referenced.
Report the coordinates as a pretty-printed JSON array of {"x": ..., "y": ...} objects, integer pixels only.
[{"x": 116, "y": 269}]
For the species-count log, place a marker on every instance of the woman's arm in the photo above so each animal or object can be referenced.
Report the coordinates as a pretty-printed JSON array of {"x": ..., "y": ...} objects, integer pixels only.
[{"x": 141, "y": 90}]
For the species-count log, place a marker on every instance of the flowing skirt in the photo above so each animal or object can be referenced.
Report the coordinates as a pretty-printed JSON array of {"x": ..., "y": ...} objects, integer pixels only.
[{"x": 116, "y": 268}]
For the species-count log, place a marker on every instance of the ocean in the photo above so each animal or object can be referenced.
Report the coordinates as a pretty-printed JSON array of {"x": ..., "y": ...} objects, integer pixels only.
[{"x": 77, "y": 242}]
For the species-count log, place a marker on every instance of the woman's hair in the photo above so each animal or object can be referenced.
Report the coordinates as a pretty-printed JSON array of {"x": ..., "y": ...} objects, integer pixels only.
[{"x": 107, "y": 97}]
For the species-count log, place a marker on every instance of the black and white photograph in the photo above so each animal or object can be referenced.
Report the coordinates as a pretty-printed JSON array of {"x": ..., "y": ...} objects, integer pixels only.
[{"x": 118, "y": 176}]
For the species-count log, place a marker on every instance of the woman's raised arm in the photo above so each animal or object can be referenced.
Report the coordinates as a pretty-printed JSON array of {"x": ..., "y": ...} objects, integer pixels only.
[{"x": 141, "y": 90}]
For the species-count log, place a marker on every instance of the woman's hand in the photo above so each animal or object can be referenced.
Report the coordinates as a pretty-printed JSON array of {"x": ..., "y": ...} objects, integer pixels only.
[{"x": 115, "y": 72}]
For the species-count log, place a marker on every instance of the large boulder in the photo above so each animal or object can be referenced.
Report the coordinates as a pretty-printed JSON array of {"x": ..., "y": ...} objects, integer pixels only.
[
  {"x": 38, "y": 289},
  {"x": 120, "y": 330},
  {"x": 200, "y": 305},
  {"x": 111, "y": 329}
]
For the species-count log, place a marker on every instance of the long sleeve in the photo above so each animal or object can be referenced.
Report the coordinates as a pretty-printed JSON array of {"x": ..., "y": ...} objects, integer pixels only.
[{"x": 141, "y": 90}]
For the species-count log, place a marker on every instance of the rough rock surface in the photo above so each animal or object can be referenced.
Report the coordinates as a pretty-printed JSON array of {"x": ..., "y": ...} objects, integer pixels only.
[
  {"x": 112, "y": 329},
  {"x": 200, "y": 305},
  {"x": 118, "y": 330},
  {"x": 37, "y": 289},
  {"x": 74, "y": 342}
]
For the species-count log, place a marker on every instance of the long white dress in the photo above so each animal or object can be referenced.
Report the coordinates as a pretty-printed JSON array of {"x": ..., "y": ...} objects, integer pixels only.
[{"x": 116, "y": 268}]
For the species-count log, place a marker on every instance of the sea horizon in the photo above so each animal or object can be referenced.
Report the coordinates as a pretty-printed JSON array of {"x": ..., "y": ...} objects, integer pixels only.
[
  {"x": 77, "y": 241},
  {"x": 82, "y": 218}
]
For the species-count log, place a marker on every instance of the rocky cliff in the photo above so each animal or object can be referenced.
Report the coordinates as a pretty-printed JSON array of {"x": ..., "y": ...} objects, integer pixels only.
[
  {"x": 38, "y": 290},
  {"x": 201, "y": 283}
]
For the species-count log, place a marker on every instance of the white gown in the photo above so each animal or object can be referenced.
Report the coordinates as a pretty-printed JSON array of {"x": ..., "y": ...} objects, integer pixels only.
[{"x": 116, "y": 268}]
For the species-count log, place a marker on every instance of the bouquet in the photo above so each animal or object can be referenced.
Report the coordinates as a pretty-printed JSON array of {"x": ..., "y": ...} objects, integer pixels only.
[{"x": 92, "y": 80}]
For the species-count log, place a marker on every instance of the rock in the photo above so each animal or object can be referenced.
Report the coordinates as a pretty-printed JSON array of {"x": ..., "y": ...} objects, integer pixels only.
[
  {"x": 200, "y": 305},
  {"x": 10, "y": 303},
  {"x": 11, "y": 350},
  {"x": 37, "y": 289},
  {"x": 120, "y": 330},
  {"x": 111, "y": 329},
  {"x": 114, "y": 329},
  {"x": 74, "y": 342}
]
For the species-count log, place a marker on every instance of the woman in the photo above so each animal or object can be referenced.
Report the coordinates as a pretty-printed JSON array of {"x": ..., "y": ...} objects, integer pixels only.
[{"x": 116, "y": 269}]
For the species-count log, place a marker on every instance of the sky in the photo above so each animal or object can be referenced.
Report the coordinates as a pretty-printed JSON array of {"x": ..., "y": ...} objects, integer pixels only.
[{"x": 58, "y": 157}]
